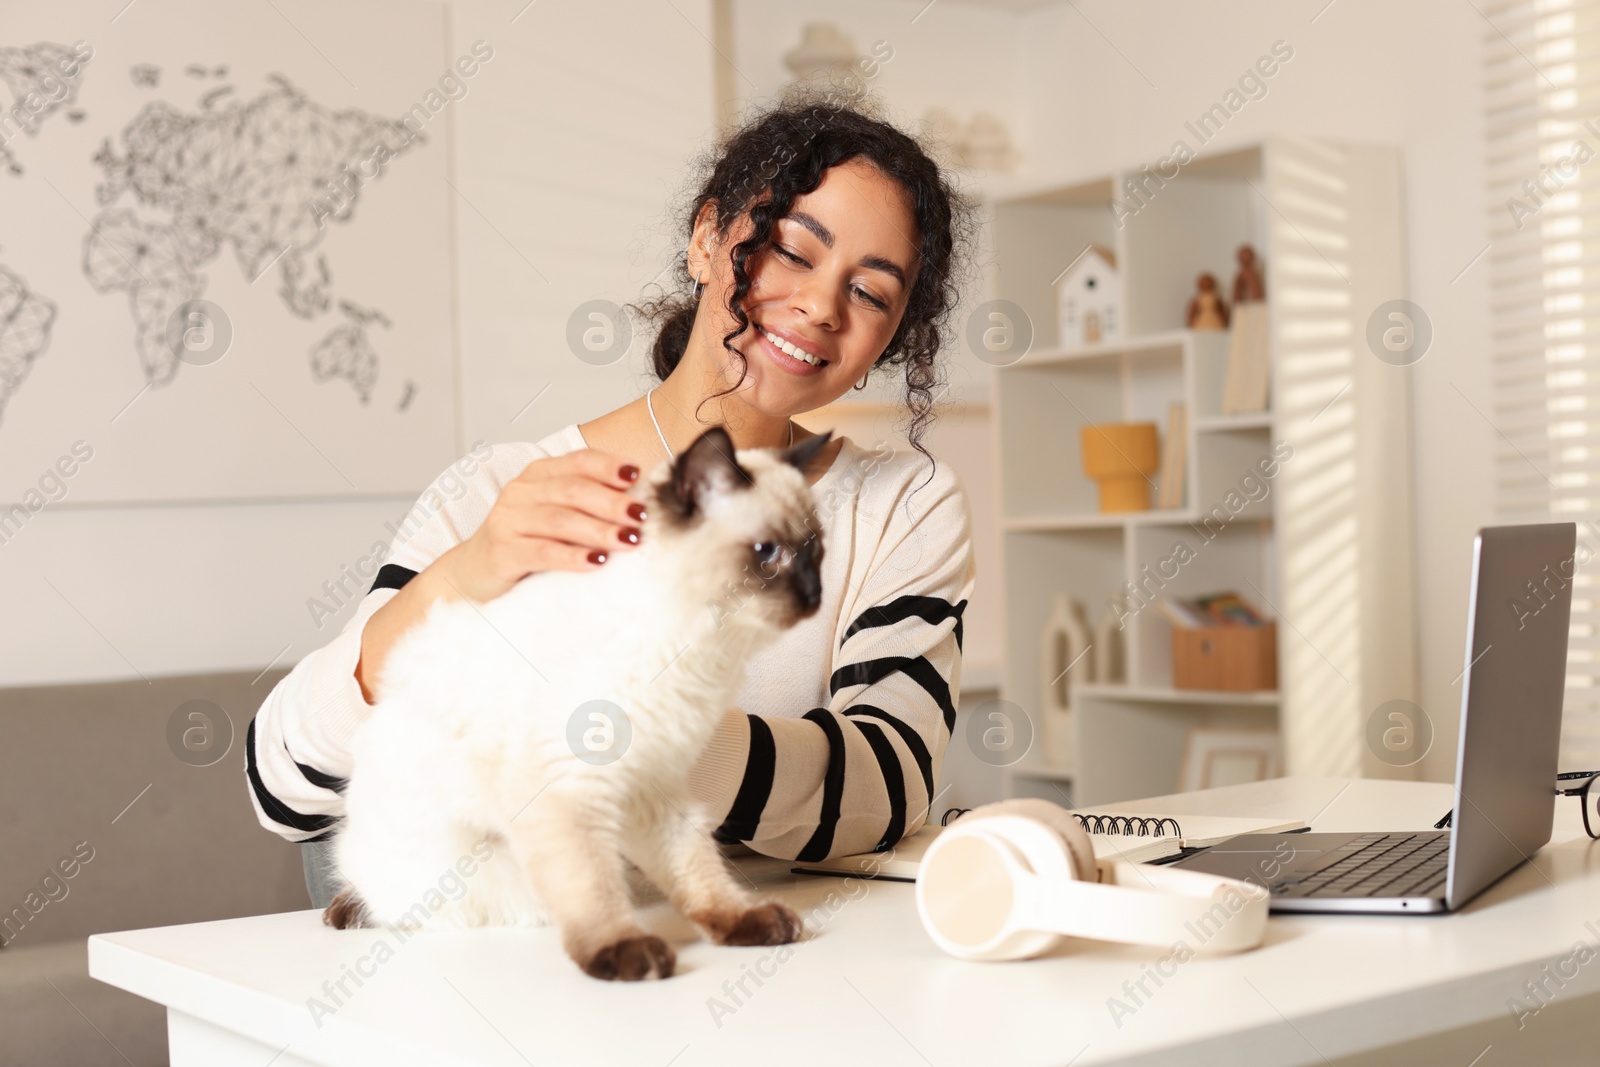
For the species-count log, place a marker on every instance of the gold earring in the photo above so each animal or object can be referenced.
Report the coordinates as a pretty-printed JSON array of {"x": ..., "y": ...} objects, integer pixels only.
[{"x": 862, "y": 384}]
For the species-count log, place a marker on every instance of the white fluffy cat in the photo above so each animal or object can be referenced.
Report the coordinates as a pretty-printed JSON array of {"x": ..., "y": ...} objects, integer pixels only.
[{"x": 486, "y": 740}]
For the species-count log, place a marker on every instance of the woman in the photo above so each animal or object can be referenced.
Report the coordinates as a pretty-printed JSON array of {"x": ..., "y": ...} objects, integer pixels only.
[{"x": 822, "y": 244}]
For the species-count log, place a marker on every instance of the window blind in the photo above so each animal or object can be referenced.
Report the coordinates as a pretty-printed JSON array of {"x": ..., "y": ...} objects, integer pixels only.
[{"x": 1542, "y": 132}]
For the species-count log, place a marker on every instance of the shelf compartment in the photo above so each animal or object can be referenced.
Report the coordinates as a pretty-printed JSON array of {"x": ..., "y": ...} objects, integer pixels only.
[
  {"x": 1138, "y": 744},
  {"x": 1191, "y": 225},
  {"x": 1237, "y": 477},
  {"x": 1188, "y": 561},
  {"x": 1046, "y": 406},
  {"x": 1039, "y": 237},
  {"x": 1210, "y": 375},
  {"x": 1086, "y": 564}
]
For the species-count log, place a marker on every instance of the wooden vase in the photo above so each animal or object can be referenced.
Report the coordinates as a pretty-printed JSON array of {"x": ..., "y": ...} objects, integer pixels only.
[{"x": 1121, "y": 457}]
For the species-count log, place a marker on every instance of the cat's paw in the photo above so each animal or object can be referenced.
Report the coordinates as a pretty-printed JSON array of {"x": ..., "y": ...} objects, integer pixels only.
[
  {"x": 631, "y": 960},
  {"x": 765, "y": 924},
  {"x": 345, "y": 911}
]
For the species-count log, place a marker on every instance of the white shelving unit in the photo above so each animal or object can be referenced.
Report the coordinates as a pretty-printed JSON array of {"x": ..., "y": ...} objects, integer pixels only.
[{"x": 1324, "y": 547}]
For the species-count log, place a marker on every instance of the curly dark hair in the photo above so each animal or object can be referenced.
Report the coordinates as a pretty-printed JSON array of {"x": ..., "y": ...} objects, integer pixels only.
[{"x": 783, "y": 150}]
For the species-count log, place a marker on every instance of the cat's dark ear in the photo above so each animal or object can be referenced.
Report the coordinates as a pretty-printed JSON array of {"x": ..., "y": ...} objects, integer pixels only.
[
  {"x": 707, "y": 468},
  {"x": 804, "y": 452}
]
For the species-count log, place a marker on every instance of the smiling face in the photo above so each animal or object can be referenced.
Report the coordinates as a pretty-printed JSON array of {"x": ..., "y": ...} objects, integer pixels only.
[{"x": 833, "y": 286}]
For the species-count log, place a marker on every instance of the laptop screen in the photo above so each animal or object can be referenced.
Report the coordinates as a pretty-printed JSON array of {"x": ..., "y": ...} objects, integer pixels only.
[{"x": 1511, "y": 696}]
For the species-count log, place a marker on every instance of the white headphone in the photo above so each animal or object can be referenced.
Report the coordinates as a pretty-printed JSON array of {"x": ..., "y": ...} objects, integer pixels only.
[{"x": 1007, "y": 881}]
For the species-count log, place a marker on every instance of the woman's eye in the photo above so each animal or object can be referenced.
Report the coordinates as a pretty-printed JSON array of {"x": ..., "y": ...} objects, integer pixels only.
[
  {"x": 869, "y": 298},
  {"x": 790, "y": 256},
  {"x": 766, "y": 551}
]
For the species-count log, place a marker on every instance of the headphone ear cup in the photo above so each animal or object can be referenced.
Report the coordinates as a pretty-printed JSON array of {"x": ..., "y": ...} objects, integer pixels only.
[{"x": 1080, "y": 850}]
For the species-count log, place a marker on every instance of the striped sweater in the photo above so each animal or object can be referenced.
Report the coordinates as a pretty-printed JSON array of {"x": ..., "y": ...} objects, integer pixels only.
[{"x": 841, "y": 726}]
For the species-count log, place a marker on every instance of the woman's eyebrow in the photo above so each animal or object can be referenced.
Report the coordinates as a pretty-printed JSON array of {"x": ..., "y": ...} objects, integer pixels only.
[{"x": 825, "y": 235}]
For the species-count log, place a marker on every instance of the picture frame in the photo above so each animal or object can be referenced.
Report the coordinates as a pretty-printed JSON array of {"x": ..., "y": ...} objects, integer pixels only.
[{"x": 1214, "y": 756}]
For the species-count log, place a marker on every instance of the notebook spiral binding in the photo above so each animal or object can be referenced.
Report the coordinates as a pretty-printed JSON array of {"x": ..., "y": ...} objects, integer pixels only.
[
  {"x": 1119, "y": 825},
  {"x": 1128, "y": 825}
]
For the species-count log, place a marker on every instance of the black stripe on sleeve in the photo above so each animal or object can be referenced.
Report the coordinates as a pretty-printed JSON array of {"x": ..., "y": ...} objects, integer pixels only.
[
  {"x": 394, "y": 576},
  {"x": 919, "y": 670},
  {"x": 320, "y": 778},
  {"x": 754, "y": 789},
  {"x": 275, "y": 808},
  {"x": 832, "y": 788},
  {"x": 930, "y": 609},
  {"x": 913, "y": 741},
  {"x": 894, "y": 782}
]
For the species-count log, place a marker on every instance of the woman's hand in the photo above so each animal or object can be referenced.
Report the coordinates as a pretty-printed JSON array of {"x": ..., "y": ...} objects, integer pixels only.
[{"x": 568, "y": 513}]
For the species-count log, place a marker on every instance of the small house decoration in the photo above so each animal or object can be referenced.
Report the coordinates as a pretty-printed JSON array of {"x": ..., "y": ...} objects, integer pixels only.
[{"x": 1089, "y": 299}]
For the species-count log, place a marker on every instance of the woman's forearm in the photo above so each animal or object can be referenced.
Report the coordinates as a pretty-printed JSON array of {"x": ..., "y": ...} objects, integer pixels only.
[{"x": 392, "y": 621}]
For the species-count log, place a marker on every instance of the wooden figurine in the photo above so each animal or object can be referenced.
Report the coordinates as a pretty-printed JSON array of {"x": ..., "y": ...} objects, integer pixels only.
[
  {"x": 1247, "y": 284},
  {"x": 1206, "y": 310}
]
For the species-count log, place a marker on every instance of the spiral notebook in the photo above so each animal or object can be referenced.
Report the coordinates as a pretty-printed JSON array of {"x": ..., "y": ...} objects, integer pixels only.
[{"x": 1142, "y": 838}]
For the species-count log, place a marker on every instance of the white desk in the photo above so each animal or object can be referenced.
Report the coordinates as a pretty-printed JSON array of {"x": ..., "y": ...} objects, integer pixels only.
[{"x": 870, "y": 986}]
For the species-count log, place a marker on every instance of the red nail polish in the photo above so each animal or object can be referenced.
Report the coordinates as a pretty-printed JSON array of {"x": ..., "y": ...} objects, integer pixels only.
[
  {"x": 597, "y": 556},
  {"x": 628, "y": 472},
  {"x": 636, "y": 512},
  {"x": 628, "y": 535}
]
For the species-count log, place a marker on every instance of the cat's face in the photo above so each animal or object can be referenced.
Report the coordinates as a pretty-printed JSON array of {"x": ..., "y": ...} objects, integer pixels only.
[{"x": 746, "y": 525}]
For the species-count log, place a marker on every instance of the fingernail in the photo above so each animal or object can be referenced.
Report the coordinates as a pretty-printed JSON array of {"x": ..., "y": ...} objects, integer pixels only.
[
  {"x": 628, "y": 472},
  {"x": 628, "y": 535},
  {"x": 636, "y": 512},
  {"x": 597, "y": 556}
]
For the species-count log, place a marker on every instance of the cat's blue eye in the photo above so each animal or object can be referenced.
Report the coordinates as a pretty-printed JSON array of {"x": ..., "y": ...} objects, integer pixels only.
[{"x": 767, "y": 551}]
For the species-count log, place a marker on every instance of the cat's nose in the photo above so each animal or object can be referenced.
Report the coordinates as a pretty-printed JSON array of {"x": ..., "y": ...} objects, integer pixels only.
[{"x": 808, "y": 589}]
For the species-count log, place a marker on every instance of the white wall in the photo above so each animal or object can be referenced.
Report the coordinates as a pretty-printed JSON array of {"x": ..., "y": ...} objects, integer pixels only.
[
  {"x": 620, "y": 96},
  {"x": 569, "y": 144},
  {"x": 572, "y": 148},
  {"x": 1366, "y": 70}
]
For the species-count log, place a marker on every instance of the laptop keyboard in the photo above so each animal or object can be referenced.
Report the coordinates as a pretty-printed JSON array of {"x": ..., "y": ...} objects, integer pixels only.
[{"x": 1383, "y": 865}]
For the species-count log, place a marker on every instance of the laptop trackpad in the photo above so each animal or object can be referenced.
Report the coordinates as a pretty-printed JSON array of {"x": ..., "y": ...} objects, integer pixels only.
[{"x": 1271, "y": 858}]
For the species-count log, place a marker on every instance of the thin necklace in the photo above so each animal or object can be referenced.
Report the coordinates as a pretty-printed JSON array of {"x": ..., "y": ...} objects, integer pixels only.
[{"x": 670, "y": 454}]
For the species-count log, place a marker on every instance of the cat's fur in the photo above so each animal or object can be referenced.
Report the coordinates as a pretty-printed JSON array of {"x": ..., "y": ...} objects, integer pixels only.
[{"x": 470, "y": 755}]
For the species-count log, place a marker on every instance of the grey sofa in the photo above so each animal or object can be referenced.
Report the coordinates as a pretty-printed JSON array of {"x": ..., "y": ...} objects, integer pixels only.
[{"x": 75, "y": 764}]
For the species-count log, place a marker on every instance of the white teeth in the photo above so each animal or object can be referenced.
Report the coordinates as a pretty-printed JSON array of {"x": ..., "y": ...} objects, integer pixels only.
[{"x": 791, "y": 350}]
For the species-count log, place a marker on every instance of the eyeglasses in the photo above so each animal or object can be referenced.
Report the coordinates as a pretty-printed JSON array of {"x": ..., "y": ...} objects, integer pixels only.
[
  {"x": 1568, "y": 784},
  {"x": 1581, "y": 784}
]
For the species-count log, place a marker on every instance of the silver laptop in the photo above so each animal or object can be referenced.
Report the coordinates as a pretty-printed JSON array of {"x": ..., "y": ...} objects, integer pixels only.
[{"x": 1511, "y": 695}]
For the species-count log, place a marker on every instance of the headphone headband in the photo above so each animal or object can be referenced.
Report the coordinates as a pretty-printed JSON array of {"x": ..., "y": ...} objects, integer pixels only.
[{"x": 1001, "y": 884}]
